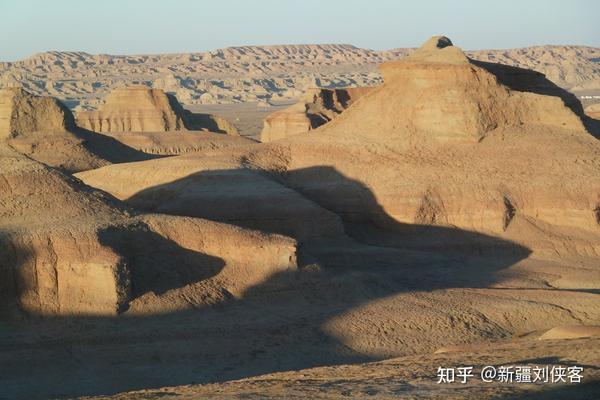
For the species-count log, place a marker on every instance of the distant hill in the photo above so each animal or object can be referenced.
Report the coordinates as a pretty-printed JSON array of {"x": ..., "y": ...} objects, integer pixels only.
[{"x": 259, "y": 73}]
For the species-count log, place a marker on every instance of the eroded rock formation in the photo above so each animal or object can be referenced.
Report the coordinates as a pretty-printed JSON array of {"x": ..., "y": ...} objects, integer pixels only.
[
  {"x": 137, "y": 109},
  {"x": 445, "y": 141},
  {"x": 68, "y": 249},
  {"x": 453, "y": 141},
  {"x": 44, "y": 129},
  {"x": 22, "y": 113},
  {"x": 316, "y": 108},
  {"x": 251, "y": 73},
  {"x": 438, "y": 94},
  {"x": 472, "y": 220},
  {"x": 593, "y": 111},
  {"x": 140, "y": 109}
]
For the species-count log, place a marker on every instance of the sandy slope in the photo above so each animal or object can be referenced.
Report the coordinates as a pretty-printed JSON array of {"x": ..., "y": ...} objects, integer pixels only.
[{"x": 409, "y": 377}]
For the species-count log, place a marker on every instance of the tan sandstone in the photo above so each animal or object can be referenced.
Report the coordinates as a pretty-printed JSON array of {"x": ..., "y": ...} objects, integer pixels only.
[
  {"x": 436, "y": 137},
  {"x": 91, "y": 256},
  {"x": 141, "y": 109},
  {"x": 316, "y": 108},
  {"x": 21, "y": 113},
  {"x": 432, "y": 213}
]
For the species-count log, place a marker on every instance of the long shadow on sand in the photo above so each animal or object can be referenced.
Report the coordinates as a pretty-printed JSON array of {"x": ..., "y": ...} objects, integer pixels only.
[
  {"x": 109, "y": 148},
  {"x": 157, "y": 264},
  {"x": 276, "y": 326}
]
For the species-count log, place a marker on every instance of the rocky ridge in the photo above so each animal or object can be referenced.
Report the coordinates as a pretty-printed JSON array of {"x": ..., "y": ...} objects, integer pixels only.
[
  {"x": 257, "y": 73},
  {"x": 315, "y": 108}
]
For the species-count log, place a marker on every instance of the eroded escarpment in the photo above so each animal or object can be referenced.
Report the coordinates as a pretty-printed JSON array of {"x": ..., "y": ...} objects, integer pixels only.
[
  {"x": 479, "y": 232},
  {"x": 91, "y": 256},
  {"x": 44, "y": 129},
  {"x": 21, "y": 112},
  {"x": 141, "y": 109},
  {"x": 316, "y": 108}
]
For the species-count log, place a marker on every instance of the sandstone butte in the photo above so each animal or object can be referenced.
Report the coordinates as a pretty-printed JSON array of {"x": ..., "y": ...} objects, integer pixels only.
[
  {"x": 317, "y": 107},
  {"x": 141, "y": 109},
  {"x": 21, "y": 112},
  {"x": 45, "y": 130}
]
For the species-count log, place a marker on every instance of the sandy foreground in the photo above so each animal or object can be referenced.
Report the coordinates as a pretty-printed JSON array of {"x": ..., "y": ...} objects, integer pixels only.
[{"x": 415, "y": 377}]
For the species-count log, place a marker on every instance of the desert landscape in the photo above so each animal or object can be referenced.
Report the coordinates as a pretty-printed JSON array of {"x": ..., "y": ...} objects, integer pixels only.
[{"x": 301, "y": 222}]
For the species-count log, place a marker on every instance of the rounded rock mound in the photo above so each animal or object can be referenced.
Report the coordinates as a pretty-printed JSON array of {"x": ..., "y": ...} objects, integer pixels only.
[{"x": 22, "y": 113}]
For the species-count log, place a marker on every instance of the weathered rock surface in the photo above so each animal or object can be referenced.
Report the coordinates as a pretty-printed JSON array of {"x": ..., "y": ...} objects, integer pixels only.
[
  {"x": 593, "y": 111},
  {"x": 258, "y": 73},
  {"x": 140, "y": 109},
  {"x": 44, "y": 129},
  {"x": 436, "y": 138},
  {"x": 476, "y": 233},
  {"x": 210, "y": 186},
  {"x": 20, "y": 113},
  {"x": 68, "y": 249},
  {"x": 316, "y": 108},
  {"x": 166, "y": 143},
  {"x": 409, "y": 376},
  {"x": 441, "y": 93},
  {"x": 570, "y": 332},
  {"x": 136, "y": 109},
  {"x": 430, "y": 146}
]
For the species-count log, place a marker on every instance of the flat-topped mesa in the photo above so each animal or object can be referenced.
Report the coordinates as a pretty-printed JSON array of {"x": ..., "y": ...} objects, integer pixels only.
[
  {"x": 135, "y": 109},
  {"x": 317, "y": 107},
  {"x": 141, "y": 109},
  {"x": 22, "y": 113},
  {"x": 441, "y": 93}
]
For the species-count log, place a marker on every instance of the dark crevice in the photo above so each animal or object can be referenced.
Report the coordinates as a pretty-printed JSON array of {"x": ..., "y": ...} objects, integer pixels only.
[{"x": 509, "y": 211}]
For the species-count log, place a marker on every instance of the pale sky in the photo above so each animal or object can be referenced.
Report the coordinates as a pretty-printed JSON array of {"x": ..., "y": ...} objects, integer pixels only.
[{"x": 153, "y": 26}]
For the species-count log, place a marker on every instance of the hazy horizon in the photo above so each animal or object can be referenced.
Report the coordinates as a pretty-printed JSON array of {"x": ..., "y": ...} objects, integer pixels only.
[{"x": 158, "y": 27}]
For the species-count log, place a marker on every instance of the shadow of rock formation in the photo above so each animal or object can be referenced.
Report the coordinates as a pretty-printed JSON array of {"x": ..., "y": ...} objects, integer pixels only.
[
  {"x": 207, "y": 195},
  {"x": 157, "y": 264},
  {"x": 76, "y": 150},
  {"x": 44, "y": 129},
  {"x": 526, "y": 80},
  {"x": 209, "y": 122},
  {"x": 277, "y": 325}
]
